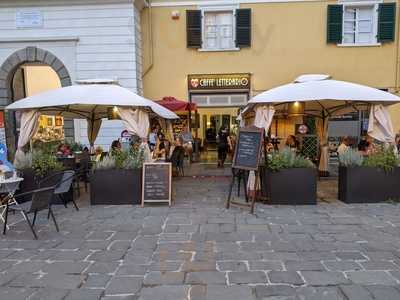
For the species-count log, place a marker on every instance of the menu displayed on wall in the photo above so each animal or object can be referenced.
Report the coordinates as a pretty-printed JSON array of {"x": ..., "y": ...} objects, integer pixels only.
[
  {"x": 219, "y": 81},
  {"x": 248, "y": 149},
  {"x": 157, "y": 182}
]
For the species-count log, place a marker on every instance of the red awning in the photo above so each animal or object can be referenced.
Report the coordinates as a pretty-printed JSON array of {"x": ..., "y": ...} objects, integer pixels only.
[{"x": 174, "y": 104}]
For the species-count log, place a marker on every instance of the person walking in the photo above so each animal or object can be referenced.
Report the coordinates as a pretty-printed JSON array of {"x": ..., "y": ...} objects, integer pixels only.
[{"x": 223, "y": 145}]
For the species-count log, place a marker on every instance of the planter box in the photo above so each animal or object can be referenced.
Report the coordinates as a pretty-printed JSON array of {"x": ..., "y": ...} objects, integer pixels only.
[
  {"x": 367, "y": 184},
  {"x": 294, "y": 186},
  {"x": 116, "y": 187},
  {"x": 31, "y": 182}
]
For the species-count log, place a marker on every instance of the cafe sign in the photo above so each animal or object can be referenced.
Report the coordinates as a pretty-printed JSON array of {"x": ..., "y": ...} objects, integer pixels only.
[{"x": 219, "y": 81}]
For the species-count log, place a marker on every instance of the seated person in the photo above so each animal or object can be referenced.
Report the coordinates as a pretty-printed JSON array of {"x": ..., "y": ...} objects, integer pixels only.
[
  {"x": 177, "y": 153},
  {"x": 187, "y": 142},
  {"x": 98, "y": 153},
  {"x": 159, "y": 149}
]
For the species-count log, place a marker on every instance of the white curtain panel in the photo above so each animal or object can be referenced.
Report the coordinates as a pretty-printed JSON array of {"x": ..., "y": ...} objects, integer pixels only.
[
  {"x": 263, "y": 119},
  {"x": 322, "y": 132},
  {"x": 240, "y": 118},
  {"x": 29, "y": 126},
  {"x": 380, "y": 125},
  {"x": 264, "y": 116},
  {"x": 136, "y": 121},
  {"x": 93, "y": 130},
  {"x": 170, "y": 131}
]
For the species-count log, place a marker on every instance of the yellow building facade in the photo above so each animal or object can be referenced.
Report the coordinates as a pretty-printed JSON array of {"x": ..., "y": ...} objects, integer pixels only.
[{"x": 286, "y": 39}]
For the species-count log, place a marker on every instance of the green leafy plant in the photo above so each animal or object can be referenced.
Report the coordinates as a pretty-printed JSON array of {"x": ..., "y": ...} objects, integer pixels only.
[
  {"x": 351, "y": 158},
  {"x": 286, "y": 159},
  {"x": 45, "y": 147},
  {"x": 134, "y": 159},
  {"x": 119, "y": 157},
  {"x": 107, "y": 163},
  {"x": 384, "y": 158},
  {"x": 75, "y": 146},
  {"x": 128, "y": 160},
  {"x": 43, "y": 163}
]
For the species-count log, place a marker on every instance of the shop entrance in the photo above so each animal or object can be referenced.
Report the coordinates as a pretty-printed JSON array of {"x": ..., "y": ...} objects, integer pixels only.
[{"x": 26, "y": 72}]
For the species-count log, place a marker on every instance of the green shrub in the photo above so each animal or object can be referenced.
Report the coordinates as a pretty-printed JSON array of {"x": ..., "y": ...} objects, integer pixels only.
[
  {"x": 43, "y": 163},
  {"x": 134, "y": 159},
  {"x": 45, "y": 147},
  {"x": 351, "y": 158},
  {"x": 286, "y": 159},
  {"x": 384, "y": 158},
  {"x": 128, "y": 160}
]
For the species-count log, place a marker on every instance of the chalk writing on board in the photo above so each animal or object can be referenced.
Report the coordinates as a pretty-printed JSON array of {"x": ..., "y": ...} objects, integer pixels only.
[
  {"x": 156, "y": 182},
  {"x": 248, "y": 149}
]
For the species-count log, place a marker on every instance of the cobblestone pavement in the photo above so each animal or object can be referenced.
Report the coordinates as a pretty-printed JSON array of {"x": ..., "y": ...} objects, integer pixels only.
[{"x": 198, "y": 250}]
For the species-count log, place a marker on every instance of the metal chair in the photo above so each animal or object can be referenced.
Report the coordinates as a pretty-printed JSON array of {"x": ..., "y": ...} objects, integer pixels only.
[
  {"x": 63, "y": 182},
  {"x": 82, "y": 174},
  {"x": 177, "y": 159},
  {"x": 40, "y": 200}
]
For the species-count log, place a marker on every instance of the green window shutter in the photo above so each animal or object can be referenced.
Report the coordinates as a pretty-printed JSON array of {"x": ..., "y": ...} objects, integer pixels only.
[
  {"x": 386, "y": 22},
  {"x": 334, "y": 24},
  {"x": 243, "y": 27},
  {"x": 193, "y": 28}
]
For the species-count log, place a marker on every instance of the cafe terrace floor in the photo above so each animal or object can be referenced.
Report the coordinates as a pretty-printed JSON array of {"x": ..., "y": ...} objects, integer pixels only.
[{"x": 198, "y": 250}]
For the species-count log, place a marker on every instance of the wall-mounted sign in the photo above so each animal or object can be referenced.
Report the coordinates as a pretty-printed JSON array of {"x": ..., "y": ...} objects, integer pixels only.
[
  {"x": 219, "y": 81},
  {"x": 302, "y": 128},
  {"x": 29, "y": 19}
]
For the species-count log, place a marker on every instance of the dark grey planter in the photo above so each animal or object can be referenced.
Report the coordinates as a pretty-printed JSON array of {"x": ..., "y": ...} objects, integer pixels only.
[
  {"x": 294, "y": 186},
  {"x": 367, "y": 184},
  {"x": 116, "y": 187},
  {"x": 31, "y": 182}
]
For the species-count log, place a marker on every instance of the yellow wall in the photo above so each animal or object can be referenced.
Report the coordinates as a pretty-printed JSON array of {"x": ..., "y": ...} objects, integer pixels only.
[
  {"x": 288, "y": 39},
  {"x": 40, "y": 79}
]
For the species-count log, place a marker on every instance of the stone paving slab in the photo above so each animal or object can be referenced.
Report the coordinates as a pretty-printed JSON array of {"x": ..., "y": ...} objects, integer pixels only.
[{"x": 198, "y": 250}]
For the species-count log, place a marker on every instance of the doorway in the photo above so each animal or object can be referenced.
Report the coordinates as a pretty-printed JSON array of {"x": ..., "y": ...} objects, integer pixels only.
[
  {"x": 30, "y": 79},
  {"x": 48, "y": 72}
]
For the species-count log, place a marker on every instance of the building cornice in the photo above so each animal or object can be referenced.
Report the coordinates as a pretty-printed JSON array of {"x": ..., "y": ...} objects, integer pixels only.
[
  {"x": 222, "y": 2},
  {"x": 32, "y": 3}
]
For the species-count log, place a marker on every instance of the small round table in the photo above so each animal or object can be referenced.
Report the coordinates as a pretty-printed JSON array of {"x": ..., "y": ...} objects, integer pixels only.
[{"x": 8, "y": 187}]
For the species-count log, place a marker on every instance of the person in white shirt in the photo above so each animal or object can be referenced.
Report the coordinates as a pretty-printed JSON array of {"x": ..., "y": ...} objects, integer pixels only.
[{"x": 344, "y": 145}]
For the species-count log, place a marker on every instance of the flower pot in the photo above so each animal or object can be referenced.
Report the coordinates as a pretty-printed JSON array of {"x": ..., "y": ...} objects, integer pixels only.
[
  {"x": 116, "y": 186},
  {"x": 292, "y": 186},
  {"x": 367, "y": 184}
]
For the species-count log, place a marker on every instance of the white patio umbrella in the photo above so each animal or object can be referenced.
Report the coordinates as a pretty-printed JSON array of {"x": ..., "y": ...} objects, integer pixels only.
[
  {"x": 92, "y": 102},
  {"x": 323, "y": 97}
]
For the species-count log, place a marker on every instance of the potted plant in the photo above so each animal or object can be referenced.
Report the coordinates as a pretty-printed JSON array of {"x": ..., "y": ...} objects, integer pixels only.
[
  {"x": 35, "y": 166},
  {"x": 288, "y": 178},
  {"x": 369, "y": 179},
  {"x": 117, "y": 179}
]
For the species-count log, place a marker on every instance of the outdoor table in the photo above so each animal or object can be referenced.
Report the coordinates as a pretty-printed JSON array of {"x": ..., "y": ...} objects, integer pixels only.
[{"x": 8, "y": 187}]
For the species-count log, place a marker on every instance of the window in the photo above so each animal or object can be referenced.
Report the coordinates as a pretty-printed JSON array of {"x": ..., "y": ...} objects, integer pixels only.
[
  {"x": 218, "y": 30},
  {"x": 359, "y": 25},
  {"x": 226, "y": 28}
]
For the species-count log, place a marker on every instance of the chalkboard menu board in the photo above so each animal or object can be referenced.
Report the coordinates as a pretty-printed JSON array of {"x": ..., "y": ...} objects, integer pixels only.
[
  {"x": 157, "y": 182},
  {"x": 248, "y": 148}
]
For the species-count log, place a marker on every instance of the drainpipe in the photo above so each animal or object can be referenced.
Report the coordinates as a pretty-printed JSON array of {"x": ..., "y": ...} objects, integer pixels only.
[{"x": 150, "y": 34}]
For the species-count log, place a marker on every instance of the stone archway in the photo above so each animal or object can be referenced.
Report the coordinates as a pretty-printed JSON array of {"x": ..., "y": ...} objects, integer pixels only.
[{"x": 7, "y": 71}]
